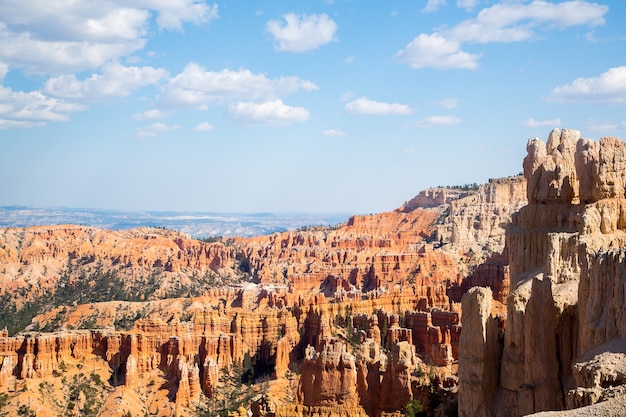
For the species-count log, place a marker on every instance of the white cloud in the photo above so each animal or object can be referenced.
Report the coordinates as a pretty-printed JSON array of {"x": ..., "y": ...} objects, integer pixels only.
[
  {"x": 438, "y": 121},
  {"x": 504, "y": 22},
  {"x": 349, "y": 60},
  {"x": 609, "y": 88},
  {"x": 15, "y": 124},
  {"x": 116, "y": 80},
  {"x": 302, "y": 33},
  {"x": 156, "y": 129},
  {"x": 271, "y": 113},
  {"x": 173, "y": 13},
  {"x": 531, "y": 122},
  {"x": 433, "y": 6},
  {"x": 204, "y": 127},
  {"x": 347, "y": 96},
  {"x": 151, "y": 114},
  {"x": 364, "y": 106},
  {"x": 437, "y": 52},
  {"x": 45, "y": 37},
  {"x": 514, "y": 22},
  {"x": 196, "y": 87},
  {"x": 467, "y": 4},
  {"x": 335, "y": 133},
  {"x": 22, "y": 50},
  {"x": 20, "y": 108},
  {"x": 76, "y": 21},
  {"x": 4, "y": 69},
  {"x": 448, "y": 103}
]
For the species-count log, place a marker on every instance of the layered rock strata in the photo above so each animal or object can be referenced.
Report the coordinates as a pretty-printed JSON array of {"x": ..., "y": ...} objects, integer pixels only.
[
  {"x": 567, "y": 308},
  {"x": 360, "y": 310}
]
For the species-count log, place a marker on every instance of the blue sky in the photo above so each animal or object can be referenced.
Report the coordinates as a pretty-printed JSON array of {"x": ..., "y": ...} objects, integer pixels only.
[{"x": 307, "y": 106}]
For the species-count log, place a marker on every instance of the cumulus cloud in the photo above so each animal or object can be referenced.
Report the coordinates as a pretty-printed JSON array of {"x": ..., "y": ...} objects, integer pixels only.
[
  {"x": 116, "y": 80},
  {"x": 73, "y": 36},
  {"x": 467, "y": 4},
  {"x": 504, "y": 22},
  {"x": 270, "y": 113},
  {"x": 156, "y": 129},
  {"x": 196, "y": 87},
  {"x": 364, "y": 106},
  {"x": 609, "y": 88},
  {"x": 335, "y": 133},
  {"x": 438, "y": 121},
  {"x": 302, "y": 33},
  {"x": 23, "y": 109},
  {"x": 433, "y": 6},
  {"x": 173, "y": 13},
  {"x": 436, "y": 51},
  {"x": 542, "y": 123},
  {"x": 22, "y": 50},
  {"x": 4, "y": 69},
  {"x": 204, "y": 127}
]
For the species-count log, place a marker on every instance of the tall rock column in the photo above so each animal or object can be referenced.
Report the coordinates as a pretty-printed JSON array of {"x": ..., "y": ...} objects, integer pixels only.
[{"x": 479, "y": 355}]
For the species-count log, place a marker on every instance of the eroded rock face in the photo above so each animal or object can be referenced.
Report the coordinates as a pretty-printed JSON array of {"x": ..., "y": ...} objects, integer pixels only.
[
  {"x": 380, "y": 281},
  {"x": 479, "y": 354},
  {"x": 567, "y": 266}
]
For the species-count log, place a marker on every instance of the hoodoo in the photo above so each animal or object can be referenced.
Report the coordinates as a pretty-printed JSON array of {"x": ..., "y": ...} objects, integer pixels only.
[{"x": 564, "y": 343}]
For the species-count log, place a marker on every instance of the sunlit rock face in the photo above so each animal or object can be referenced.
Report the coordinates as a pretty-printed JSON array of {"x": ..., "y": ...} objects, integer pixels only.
[
  {"x": 347, "y": 320},
  {"x": 565, "y": 326}
]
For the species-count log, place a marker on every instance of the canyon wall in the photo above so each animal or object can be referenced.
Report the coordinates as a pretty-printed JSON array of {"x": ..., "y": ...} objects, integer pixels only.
[
  {"x": 357, "y": 319},
  {"x": 565, "y": 335}
]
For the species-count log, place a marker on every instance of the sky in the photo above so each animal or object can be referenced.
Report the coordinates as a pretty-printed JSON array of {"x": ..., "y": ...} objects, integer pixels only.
[{"x": 292, "y": 106}]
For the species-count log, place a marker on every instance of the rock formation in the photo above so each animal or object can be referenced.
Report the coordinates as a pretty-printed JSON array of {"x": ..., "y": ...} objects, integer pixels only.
[
  {"x": 351, "y": 320},
  {"x": 565, "y": 326}
]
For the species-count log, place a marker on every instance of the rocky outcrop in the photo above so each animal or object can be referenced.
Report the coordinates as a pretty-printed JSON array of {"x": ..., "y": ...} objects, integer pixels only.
[
  {"x": 355, "y": 310},
  {"x": 479, "y": 355},
  {"x": 566, "y": 303}
]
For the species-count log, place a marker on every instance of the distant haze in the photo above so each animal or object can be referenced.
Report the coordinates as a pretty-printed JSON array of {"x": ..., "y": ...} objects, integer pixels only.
[{"x": 194, "y": 224}]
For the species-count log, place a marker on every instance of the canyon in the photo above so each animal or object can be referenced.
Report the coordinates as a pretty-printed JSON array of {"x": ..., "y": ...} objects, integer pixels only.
[
  {"x": 500, "y": 299},
  {"x": 357, "y": 319}
]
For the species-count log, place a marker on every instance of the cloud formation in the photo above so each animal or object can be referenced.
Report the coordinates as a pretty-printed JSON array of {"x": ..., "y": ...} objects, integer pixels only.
[
  {"x": 116, "y": 80},
  {"x": 271, "y": 113},
  {"x": 608, "y": 88},
  {"x": 65, "y": 37},
  {"x": 197, "y": 87},
  {"x": 26, "y": 109},
  {"x": 436, "y": 51},
  {"x": 433, "y": 6},
  {"x": 204, "y": 127},
  {"x": 335, "y": 133},
  {"x": 301, "y": 33},
  {"x": 505, "y": 22},
  {"x": 156, "y": 129},
  {"x": 364, "y": 106}
]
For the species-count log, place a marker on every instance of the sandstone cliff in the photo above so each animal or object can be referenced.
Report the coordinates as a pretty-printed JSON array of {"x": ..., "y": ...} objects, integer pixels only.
[
  {"x": 565, "y": 330},
  {"x": 350, "y": 320}
]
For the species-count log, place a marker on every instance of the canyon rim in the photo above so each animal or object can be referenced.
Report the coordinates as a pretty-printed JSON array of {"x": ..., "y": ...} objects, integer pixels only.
[{"x": 500, "y": 299}]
